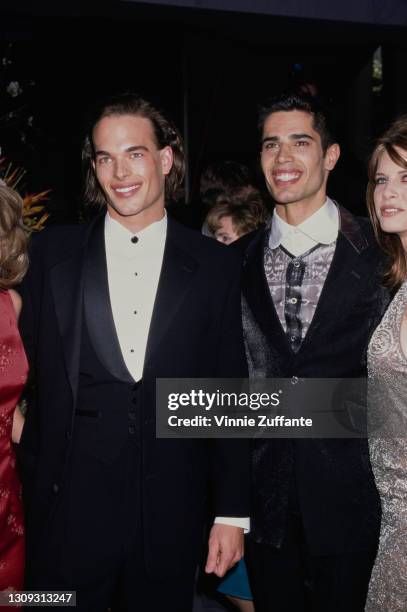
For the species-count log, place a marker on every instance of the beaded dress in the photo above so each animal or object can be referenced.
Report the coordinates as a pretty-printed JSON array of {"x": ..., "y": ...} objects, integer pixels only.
[
  {"x": 387, "y": 365},
  {"x": 13, "y": 374}
]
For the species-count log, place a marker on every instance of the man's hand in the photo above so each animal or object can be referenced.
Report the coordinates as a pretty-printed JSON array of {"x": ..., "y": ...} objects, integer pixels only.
[{"x": 225, "y": 549}]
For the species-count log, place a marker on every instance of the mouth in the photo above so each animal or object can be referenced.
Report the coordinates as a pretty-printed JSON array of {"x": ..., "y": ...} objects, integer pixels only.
[
  {"x": 125, "y": 191},
  {"x": 286, "y": 178},
  {"x": 390, "y": 211}
]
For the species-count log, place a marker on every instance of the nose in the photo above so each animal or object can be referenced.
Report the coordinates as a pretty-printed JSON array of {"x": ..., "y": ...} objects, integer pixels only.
[
  {"x": 121, "y": 169},
  {"x": 389, "y": 190},
  {"x": 284, "y": 153}
]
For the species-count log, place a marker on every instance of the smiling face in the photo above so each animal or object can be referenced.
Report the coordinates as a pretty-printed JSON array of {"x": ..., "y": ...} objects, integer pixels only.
[
  {"x": 390, "y": 195},
  {"x": 131, "y": 169},
  {"x": 294, "y": 164}
]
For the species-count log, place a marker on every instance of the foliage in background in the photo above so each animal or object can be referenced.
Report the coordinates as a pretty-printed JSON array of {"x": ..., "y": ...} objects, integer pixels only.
[
  {"x": 18, "y": 132},
  {"x": 34, "y": 217}
]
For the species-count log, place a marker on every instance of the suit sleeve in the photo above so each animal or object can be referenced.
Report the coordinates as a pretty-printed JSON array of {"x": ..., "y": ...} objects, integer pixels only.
[{"x": 231, "y": 457}]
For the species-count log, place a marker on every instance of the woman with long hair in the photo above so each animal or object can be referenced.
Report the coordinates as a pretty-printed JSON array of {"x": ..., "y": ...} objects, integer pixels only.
[
  {"x": 387, "y": 364},
  {"x": 13, "y": 373}
]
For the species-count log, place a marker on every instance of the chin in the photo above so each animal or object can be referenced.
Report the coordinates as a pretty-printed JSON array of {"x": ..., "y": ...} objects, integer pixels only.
[
  {"x": 127, "y": 211},
  {"x": 393, "y": 228}
]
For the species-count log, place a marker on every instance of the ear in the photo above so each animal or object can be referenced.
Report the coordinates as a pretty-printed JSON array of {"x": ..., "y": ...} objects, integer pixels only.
[
  {"x": 331, "y": 156},
  {"x": 167, "y": 159}
]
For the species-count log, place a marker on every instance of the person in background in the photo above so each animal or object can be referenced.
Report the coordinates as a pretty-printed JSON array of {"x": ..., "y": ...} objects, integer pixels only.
[
  {"x": 218, "y": 180},
  {"x": 222, "y": 177},
  {"x": 234, "y": 216},
  {"x": 13, "y": 374},
  {"x": 387, "y": 367}
]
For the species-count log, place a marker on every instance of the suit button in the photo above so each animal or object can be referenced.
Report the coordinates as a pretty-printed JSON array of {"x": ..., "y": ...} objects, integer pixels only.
[
  {"x": 55, "y": 487},
  {"x": 294, "y": 380},
  {"x": 132, "y": 430},
  {"x": 68, "y": 434}
]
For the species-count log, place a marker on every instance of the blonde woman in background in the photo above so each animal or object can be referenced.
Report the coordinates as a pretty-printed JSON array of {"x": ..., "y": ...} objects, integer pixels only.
[{"x": 13, "y": 373}]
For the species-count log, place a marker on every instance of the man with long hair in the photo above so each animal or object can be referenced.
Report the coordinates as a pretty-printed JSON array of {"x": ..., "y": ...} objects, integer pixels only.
[{"x": 114, "y": 512}]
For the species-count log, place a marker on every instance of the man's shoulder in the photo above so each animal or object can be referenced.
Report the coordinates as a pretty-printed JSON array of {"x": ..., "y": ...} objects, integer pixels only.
[
  {"x": 249, "y": 240},
  {"x": 358, "y": 229},
  {"x": 202, "y": 247},
  {"x": 57, "y": 241}
]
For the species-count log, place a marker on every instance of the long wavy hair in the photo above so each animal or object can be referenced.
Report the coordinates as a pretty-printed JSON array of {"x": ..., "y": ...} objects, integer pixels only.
[
  {"x": 13, "y": 238},
  {"x": 165, "y": 132},
  {"x": 395, "y": 137}
]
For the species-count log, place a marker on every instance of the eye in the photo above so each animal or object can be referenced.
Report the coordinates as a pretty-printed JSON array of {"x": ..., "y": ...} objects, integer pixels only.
[
  {"x": 379, "y": 180},
  {"x": 136, "y": 154},
  {"x": 270, "y": 145},
  {"x": 104, "y": 159},
  {"x": 404, "y": 177},
  {"x": 301, "y": 143}
]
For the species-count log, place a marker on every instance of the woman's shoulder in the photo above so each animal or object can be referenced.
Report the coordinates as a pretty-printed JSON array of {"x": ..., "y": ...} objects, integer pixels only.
[{"x": 16, "y": 301}]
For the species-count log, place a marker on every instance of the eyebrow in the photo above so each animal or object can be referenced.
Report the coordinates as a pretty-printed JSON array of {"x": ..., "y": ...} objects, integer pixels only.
[
  {"x": 291, "y": 137},
  {"x": 128, "y": 150},
  {"x": 402, "y": 171}
]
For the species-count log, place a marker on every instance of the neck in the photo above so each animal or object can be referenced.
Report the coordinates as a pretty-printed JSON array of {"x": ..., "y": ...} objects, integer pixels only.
[
  {"x": 296, "y": 213},
  {"x": 139, "y": 222}
]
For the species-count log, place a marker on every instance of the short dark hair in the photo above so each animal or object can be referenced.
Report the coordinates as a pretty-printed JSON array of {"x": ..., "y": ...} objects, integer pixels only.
[
  {"x": 287, "y": 102},
  {"x": 165, "y": 133}
]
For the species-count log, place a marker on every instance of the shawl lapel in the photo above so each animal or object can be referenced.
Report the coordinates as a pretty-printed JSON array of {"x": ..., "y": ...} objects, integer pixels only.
[
  {"x": 177, "y": 272},
  {"x": 97, "y": 306}
]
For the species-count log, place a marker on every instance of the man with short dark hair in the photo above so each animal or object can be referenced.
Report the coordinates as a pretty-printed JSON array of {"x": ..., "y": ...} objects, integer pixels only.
[
  {"x": 311, "y": 300},
  {"x": 113, "y": 512}
]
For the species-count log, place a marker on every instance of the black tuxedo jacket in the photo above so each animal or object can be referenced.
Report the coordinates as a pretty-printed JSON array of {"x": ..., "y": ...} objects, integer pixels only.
[
  {"x": 195, "y": 332},
  {"x": 333, "y": 479}
]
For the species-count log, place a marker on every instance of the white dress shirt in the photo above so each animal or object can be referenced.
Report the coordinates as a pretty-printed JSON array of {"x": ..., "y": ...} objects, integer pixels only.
[
  {"x": 133, "y": 268},
  {"x": 320, "y": 228}
]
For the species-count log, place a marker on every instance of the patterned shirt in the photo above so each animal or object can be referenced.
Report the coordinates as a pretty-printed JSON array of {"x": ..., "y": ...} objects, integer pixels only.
[{"x": 295, "y": 285}]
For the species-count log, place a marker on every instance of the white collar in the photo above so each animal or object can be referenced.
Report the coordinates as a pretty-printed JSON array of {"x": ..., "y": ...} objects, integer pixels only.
[
  {"x": 321, "y": 228},
  {"x": 119, "y": 238}
]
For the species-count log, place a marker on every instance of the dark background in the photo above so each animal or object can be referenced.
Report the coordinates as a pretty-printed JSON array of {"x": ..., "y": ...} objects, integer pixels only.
[{"x": 207, "y": 68}]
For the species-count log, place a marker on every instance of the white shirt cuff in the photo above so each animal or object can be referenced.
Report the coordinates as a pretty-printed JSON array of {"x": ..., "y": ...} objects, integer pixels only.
[{"x": 234, "y": 521}]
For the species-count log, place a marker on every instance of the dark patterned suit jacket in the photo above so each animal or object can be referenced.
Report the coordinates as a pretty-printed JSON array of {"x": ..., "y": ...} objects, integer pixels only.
[{"x": 333, "y": 480}]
